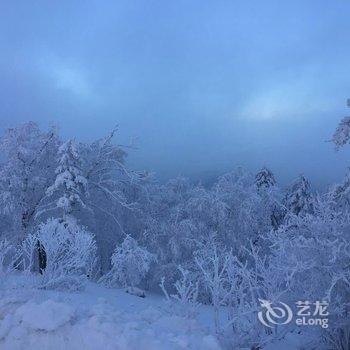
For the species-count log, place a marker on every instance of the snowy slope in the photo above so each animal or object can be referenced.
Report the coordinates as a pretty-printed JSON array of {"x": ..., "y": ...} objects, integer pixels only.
[
  {"x": 100, "y": 318},
  {"x": 97, "y": 318}
]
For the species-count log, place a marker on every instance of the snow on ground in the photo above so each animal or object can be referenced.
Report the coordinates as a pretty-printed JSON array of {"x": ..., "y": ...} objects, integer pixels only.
[
  {"x": 100, "y": 318},
  {"x": 96, "y": 318}
]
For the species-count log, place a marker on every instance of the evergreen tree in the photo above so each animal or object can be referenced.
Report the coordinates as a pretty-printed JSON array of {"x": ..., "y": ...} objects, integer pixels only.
[
  {"x": 299, "y": 199},
  {"x": 264, "y": 179},
  {"x": 70, "y": 186},
  {"x": 341, "y": 135},
  {"x": 269, "y": 193},
  {"x": 340, "y": 193}
]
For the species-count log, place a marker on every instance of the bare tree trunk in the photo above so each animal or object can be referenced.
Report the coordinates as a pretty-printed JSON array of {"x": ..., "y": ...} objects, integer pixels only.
[{"x": 41, "y": 257}]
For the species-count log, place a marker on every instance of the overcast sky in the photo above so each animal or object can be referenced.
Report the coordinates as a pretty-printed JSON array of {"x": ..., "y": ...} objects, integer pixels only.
[{"x": 203, "y": 85}]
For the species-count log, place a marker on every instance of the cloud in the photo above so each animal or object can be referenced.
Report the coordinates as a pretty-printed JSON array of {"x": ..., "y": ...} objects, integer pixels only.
[
  {"x": 68, "y": 77},
  {"x": 291, "y": 99},
  {"x": 72, "y": 80}
]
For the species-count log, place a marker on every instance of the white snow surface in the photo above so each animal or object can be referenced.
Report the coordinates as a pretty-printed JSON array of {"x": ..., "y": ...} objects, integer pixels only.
[
  {"x": 97, "y": 318},
  {"x": 101, "y": 318}
]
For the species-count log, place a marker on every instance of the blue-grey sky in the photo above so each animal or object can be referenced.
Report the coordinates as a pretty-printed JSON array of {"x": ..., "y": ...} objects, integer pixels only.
[{"x": 203, "y": 85}]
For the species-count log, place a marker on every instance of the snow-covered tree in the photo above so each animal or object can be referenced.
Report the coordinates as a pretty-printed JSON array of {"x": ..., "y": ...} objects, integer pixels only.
[
  {"x": 299, "y": 198},
  {"x": 213, "y": 265},
  {"x": 186, "y": 294},
  {"x": 65, "y": 198},
  {"x": 8, "y": 256},
  {"x": 180, "y": 218},
  {"x": 70, "y": 253},
  {"x": 27, "y": 170},
  {"x": 270, "y": 196},
  {"x": 130, "y": 263},
  {"x": 341, "y": 135},
  {"x": 69, "y": 189},
  {"x": 43, "y": 177},
  {"x": 340, "y": 193},
  {"x": 115, "y": 194},
  {"x": 264, "y": 179},
  {"x": 246, "y": 220},
  {"x": 314, "y": 251},
  {"x": 167, "y": 231}
]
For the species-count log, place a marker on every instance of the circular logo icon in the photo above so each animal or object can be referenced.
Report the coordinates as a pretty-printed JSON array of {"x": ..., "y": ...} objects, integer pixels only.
[{"x": 271, "y": 316}]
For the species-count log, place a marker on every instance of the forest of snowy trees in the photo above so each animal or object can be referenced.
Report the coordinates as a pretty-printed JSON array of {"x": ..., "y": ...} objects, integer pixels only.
[{"x": 73, "y": 211}]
